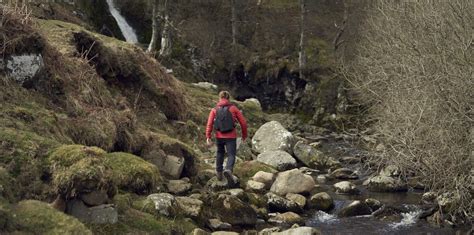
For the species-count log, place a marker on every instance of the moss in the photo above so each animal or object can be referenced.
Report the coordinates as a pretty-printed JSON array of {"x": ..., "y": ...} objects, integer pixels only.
[
  {"x": 6, "y": 217},
  {"x": 144, "y": 204},
  {"x": 123, "y": 201},
  {"x": 76, "y": 169},
  {"x": 133, "y": 173},
  {"x": 6, "y": 185},
  {"x": 245, "y": 170},
  {"x": 134, "y": 221},
  {"x": 39, "y": 218}
]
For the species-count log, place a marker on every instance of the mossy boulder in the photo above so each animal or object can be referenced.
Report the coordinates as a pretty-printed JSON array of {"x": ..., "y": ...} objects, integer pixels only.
[
  {"x": 132, "y": 173},
  {"x": 79, "y": 169},
  {"x": 39, "y": 218}
]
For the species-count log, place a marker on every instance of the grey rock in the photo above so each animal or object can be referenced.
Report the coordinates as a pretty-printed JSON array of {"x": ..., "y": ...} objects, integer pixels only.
[
  {"x": 95, "y": 198},
  {"x": 286, "y": 218},
  {"x": 103, "y": 214},
  {"x": 272, "y": 136},
  {"x": 206, "y": 85},
  {"x": 225, "y": 233},
  {"x": 165, "y": 203},
  {"x": 179, "y": 187},
  {"x": 22, "y": 67},
  {"x": 312, "y": 157},
  {"x": 292, "y": 181},
  {"x": 264, "y": 177},
  {"x": 255, "y": 186},
  {"x": 297, "y": 198},
  {"x": 198, "y": 231},
  {"x": 279, "y": 159},
  {"x": 345, "y": 187},
  {"x": 232, "y": 210},
  {"x": 189, "y": 206},
  {"x": 269, "y": 231}
]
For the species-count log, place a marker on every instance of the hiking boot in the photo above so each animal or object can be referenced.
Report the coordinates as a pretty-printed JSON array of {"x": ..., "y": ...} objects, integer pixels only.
[
  {"x": 229, "y": 177},
  {"x": 219, "y": 175}
]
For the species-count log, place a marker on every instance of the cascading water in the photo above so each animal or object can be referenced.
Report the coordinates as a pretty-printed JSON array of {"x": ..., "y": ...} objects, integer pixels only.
[{"x": 127, "y": 31}]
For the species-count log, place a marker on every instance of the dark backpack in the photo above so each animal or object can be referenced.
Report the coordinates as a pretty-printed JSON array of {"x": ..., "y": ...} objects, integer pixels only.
[{"x": 224, "y": 121}]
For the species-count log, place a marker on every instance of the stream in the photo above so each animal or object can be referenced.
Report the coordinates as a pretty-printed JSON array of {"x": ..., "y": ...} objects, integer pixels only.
[
  {"x": 127, "y": 31},
  {"x": 409, "y": 223}
]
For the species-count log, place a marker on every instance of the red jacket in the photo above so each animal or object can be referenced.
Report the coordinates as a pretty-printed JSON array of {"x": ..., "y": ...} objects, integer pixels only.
[{"x": 237, "y": 117}]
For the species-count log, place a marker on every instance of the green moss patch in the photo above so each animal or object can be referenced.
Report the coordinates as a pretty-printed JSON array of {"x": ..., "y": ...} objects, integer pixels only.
[
  {"x": 133, "y": 173},
  {"x": 245, "y": 170},
  {"x": 39, "y": 218}
]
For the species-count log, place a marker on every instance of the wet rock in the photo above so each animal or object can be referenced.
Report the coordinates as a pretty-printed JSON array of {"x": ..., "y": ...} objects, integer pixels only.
[
  {"x": 103, "y": 214},
  {"x": 312, "y": 157},
  {"x": 264, "y": 177},
  {"x": 189, "y": 206},
  {"x": 346, "y": 187},
  {"x": 232, "y": 210},
  {"x": 165, "y": 203},
  {"x": 279, "y": 204},
  {"x": 179, "y": 187},
  {"x": 286, "y": 218},
  {"x": 297, "y": 198},
  {"x": 255, "y": 186},
  {"x": 216, "y": 224},
  {"x": 292, "y": 181},
  {"x": 281, "y": 160},
  {"x": 382, "y": 183},
  {"x": 300, "y": 231},
  {"x": 356, "y": 208},
  {"x": 272, "y": 136},
  {"x": 344, "y": 174},
  {"x": 206, "y": 85},
  {"x": 95, "y": 198},
  {"x": 321, "y": 201},
  {"x": 373, "y": 204}
]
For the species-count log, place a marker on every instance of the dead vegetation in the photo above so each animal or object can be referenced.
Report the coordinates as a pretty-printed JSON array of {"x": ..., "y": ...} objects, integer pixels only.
[{"x": 413, "y": 69}]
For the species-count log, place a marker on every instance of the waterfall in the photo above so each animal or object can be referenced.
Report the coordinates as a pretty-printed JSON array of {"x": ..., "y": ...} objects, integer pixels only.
[{"x": 127, "y": 30}]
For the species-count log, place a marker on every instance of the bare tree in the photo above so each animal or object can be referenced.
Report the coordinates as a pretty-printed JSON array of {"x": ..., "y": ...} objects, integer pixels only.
[
  {"x": 155, "y": 26},
  {"x": 302, "y": 54},
  {"x": 166, "y": 35}
]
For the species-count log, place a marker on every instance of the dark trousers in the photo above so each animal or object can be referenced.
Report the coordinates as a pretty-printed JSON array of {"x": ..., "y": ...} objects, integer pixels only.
[{"x": 223, "y": 145}]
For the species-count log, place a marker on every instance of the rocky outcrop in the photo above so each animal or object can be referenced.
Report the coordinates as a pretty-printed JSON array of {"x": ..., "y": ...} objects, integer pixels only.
[
  {"x": 272, "y": 136},
  {"x": 292, "y": 181},
  {"x": 281, "y": 160}
]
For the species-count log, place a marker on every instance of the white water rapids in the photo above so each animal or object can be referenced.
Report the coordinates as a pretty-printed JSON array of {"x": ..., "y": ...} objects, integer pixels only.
[{"x": 127, "y": 31}]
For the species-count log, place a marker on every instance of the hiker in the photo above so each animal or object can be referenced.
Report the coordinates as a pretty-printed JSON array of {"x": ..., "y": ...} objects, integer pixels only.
[{"x": 222, "y": 119}]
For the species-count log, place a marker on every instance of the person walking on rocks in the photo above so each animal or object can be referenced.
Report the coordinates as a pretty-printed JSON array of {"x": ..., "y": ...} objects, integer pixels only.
[{"x": 222, "y": 119}]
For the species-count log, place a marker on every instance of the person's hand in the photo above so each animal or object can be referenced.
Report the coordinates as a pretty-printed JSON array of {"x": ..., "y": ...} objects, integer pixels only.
[{"x": 209, "y": 142}]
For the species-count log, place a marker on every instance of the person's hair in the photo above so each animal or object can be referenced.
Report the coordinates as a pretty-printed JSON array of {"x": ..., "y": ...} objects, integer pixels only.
[{"x": 224, "y": 95}]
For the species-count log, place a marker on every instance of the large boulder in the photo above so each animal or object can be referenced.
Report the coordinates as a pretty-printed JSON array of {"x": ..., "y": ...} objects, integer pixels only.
[
  {"x": 355, "y": 208},
  {"x": 281, "y": 160},
  {"x": 312, "y": 157},
  {"x": 272, "y": 136},
  {"x": 279, "y": 204},
  {"x": 292, "y": 181},
  {"x": 383, "y": 183},
  {"x": 321, "y": 201},
  {"x": 255, "y": 186},
  {"x": 232, "y": 210},
  {"x": 169, "y": 165}
]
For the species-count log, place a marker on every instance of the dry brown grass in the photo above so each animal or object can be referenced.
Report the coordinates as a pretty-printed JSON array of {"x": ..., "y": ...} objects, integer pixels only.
[{"x": 414, "y": 70}]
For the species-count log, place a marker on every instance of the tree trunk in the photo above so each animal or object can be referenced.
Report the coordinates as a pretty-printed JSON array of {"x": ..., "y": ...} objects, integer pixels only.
[
  {"x": 166, "y": 34},
  {"x": 234, "y": 22},
  {"x": 302, "y": 54},
  {"x": 155, "y": 26}
]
